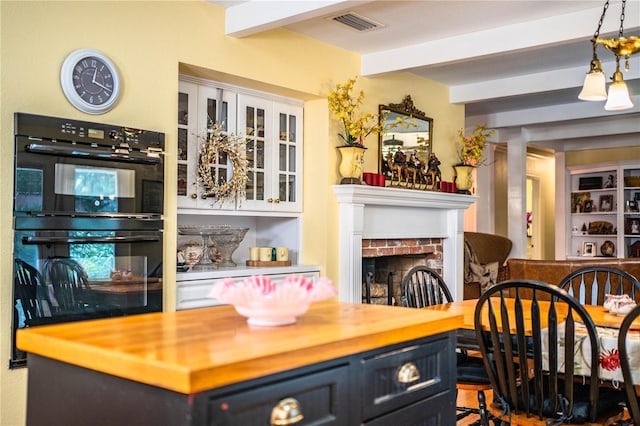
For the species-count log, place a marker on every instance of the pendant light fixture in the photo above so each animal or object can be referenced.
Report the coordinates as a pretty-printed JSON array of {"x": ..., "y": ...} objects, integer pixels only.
[{"x": 594, "y": 88}]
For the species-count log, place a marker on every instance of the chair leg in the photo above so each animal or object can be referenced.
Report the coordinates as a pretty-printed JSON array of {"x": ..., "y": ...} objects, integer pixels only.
[
  {"x": 390, "y": 289},
  {"x": 482, "y": 408}
]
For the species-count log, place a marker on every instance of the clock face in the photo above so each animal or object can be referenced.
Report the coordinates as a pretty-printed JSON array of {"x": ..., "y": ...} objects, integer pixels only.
[{"x": 90, "y": 81}]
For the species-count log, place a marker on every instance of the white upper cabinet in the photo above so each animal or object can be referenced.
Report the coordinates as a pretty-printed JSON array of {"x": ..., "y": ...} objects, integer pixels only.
[{"x": 273, "y": 131}]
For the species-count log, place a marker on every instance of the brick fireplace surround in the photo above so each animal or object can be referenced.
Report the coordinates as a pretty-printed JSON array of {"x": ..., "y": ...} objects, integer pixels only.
[{"x": 371, "y": 216}]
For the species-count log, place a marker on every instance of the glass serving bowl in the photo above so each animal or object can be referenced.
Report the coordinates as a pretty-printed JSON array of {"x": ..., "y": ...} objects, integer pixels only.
[
  {"x": 225, "y": 239},
  {"x": 266, "y": 303}
]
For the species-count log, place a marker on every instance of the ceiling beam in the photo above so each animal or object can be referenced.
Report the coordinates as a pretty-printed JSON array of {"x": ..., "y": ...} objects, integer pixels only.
[
  {"x": 513, "y": 38},
  {"x": 254, "y": 16}
]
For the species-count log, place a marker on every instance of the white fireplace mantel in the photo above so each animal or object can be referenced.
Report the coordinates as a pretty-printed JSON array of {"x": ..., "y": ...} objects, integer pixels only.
[{"x": 371, "y": 212}]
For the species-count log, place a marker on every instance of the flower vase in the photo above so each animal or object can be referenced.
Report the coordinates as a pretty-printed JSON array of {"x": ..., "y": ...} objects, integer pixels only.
[
  {"x": 464, "y": 178},
  {"x": 351, "y": 161}
]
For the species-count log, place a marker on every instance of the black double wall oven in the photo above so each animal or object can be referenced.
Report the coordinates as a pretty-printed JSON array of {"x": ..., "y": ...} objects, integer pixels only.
[{"x": 87, "y": 218}]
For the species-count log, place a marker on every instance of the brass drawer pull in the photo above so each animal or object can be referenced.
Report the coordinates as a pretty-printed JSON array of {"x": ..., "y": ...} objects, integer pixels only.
[
  {"x": 408, "y": 373},
  {"x": 286, "y": 412}
]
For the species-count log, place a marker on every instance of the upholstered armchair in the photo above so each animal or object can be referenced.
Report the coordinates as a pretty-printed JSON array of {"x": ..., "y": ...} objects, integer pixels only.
[{"x": 484, "y": 261}]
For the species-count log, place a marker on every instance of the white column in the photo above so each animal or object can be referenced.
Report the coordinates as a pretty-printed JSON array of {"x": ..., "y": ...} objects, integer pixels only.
[
  {"x": 351, "y": 225},
  {"x": 517, "y": 196}
]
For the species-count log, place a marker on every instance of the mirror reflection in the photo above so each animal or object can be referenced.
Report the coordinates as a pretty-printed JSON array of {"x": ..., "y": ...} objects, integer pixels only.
[{"x": 404, "y": 151}]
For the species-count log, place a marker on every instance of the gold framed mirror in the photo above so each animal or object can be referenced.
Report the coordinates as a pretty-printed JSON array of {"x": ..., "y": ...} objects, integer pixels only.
[{"x": 404, "y": 146}]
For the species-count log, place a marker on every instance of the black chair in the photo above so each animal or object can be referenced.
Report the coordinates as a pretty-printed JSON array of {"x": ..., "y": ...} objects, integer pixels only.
[
  {"x": 70, "y": 284},
  {"x": 633, "y": 403},
  {"x": 421, "y": 287},
  {"x": 31, "y": 303},
  {"x": 590, "y": 284},
  {"x": 30, "y": 291},
  {"x": 511, "y": 339}
]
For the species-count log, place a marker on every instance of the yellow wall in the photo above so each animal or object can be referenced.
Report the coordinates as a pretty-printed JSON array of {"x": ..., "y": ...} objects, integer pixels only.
[
  {"x": 147, "y": 41},
  {"x": 605, "y": 155}
]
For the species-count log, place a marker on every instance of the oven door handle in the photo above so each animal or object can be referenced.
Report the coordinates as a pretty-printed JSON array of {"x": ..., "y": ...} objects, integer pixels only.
[
  {"x": 89, "y": 240},
  {"x": 97, "y": 154}
]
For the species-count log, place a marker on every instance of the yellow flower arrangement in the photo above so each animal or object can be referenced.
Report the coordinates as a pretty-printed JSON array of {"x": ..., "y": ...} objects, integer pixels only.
[
  {"x": 471, "y": 148},
  {"x": 344, "y": 106}
]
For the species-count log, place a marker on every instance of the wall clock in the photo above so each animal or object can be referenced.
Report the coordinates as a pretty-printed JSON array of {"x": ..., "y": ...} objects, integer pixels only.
[{"x": 90, "y": 81}]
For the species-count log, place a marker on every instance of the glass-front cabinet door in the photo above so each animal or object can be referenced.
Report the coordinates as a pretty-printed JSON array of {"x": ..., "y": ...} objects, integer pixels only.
[
  {"x": 273, "y": 132},
  {"x": 199, "y": 107},
  {"x": 289, "y": 155}
]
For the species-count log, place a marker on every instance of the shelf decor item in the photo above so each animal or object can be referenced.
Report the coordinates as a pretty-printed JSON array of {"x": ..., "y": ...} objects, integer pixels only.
[
  {"x": 608, "y": 248},
  {"x": 225, "y": 240},
  {"x": 218, "y": 145},
  {"x": 589, "y": 248},
  {"x": 266, "y": 303}
]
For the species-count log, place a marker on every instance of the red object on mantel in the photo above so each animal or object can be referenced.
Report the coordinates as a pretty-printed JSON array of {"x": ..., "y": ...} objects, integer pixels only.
[
  {"x": 380, "y": 180},
  {"x": 368, "y": 178}
]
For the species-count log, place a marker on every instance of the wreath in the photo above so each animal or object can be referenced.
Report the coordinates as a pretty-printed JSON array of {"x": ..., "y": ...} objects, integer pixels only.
[{"x": 219, "y": 142}]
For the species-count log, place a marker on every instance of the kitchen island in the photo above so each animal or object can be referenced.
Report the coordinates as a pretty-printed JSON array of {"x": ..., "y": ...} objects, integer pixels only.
[{"x": 340, "y": 364}]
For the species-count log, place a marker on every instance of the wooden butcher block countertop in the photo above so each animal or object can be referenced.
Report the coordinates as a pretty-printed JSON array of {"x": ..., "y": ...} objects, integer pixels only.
[{"x": 195, "y": 350}]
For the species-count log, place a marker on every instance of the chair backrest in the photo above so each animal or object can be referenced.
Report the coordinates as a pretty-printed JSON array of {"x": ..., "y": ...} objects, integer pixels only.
[
  {"x": 633, "y": 404},
  {"x": 70, "y": 283},
  {"x": 512, "y": 330},
  {"x": 590, "y": 285},
  {"x": 422, "y": 286},
  {"x": 30, "y": 290}
]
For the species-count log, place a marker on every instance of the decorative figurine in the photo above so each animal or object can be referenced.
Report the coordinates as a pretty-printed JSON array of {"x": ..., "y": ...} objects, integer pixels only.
[{"x": 433, "y": 171}]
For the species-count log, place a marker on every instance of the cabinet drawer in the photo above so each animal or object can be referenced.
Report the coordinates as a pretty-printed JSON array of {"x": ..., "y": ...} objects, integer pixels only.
[
  {"x": 405, "y": 374},
  {"x": 437, "y": 410},
  {"x": 321, "y": 397}
]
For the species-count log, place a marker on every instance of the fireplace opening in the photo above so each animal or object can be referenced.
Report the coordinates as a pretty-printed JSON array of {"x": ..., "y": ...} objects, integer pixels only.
[{"x": 382, "y": 276}]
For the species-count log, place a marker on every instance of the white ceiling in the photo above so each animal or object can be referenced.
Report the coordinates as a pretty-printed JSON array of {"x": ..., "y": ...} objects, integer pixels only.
[{"x": 516, "y": 65}]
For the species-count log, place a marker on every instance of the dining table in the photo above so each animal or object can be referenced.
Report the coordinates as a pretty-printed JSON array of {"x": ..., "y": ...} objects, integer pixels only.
[{"x": 607, "y": 326}]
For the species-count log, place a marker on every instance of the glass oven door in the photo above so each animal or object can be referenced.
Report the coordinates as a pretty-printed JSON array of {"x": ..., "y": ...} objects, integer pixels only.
[
  {"x": 58, "y": 184},
  {"x": 80, "y": 274}
]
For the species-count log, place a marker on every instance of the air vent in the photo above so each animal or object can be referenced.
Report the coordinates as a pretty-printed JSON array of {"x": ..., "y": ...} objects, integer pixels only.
[{"x": 357, "y": 22}]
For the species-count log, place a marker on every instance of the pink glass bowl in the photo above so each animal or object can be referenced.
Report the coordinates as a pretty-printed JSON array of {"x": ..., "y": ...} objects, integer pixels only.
[{"x": 266, "y": 303}]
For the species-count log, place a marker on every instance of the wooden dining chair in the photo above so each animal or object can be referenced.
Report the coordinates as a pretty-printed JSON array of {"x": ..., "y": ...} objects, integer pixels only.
[
  {"x": 633, "y": 401},
  {"x": 421, "y": 287},
  {"x": 590, "y": 285},
  {"x": 523, "y": 342}
]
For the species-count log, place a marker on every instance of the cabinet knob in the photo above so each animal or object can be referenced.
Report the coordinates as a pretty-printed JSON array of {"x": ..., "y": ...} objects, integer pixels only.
[
  {"x": 408, "y": 373},
  {"x": 269, "y": 200},
  {"x": 286, "y": 412},
  {"x": 194, "y": 196},
  {"x": 277, "y": 200}
]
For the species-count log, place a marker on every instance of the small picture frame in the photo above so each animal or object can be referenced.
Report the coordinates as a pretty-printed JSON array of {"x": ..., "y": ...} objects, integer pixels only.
[
  {"x": 632, "y": 206},
  {"x": 588, "y": 248},
  {"x": 605, "y": 203},
  {"x": 636, "y": 196},
  {"x": 634, "y": 249},
  {"x": 632, "y": 225},
  {"x": 588, "y": 206}
]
